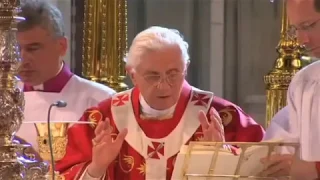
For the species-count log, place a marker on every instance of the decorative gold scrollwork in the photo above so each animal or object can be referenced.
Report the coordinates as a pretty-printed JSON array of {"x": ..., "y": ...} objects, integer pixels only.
[
  {"x": 94, "y": 117},
  {"x": 126, "y": 163},
  {"x": 142, "y": 168},
  {"x": 226, "y": 115}
]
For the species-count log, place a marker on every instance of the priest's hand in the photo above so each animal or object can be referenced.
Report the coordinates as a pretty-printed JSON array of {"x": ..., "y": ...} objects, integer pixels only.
[
  {"x": 213, "y": 131},
  {"x": 277, "y": 165},
  {"x": 105, "y": 149}
]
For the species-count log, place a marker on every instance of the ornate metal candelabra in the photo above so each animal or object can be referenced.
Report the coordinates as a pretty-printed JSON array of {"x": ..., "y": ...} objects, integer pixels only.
[
  {"x": 13, "y": 165},
  {"x": 288, "y": 63}
]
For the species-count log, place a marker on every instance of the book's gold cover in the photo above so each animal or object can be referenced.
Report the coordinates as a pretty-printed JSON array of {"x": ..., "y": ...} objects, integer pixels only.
[{"x": 210, "y": 161}]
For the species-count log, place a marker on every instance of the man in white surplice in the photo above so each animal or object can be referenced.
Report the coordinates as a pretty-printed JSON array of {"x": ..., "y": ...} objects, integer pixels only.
[
  {"x": 46, "y": 78},
  {"x": 299, "y": 121}
]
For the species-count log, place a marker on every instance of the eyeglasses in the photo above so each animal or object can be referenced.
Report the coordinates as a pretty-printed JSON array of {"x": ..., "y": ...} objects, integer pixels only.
[
  {"x": 171, "y": 79},
  {"x": 292, "y": 32}
]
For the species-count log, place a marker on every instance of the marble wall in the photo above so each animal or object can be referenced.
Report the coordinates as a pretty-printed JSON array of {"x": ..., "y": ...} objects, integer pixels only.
[
  {"x": 252, "y": 31},
  {"x": 65, "y": 8},
  {"x": 217, "y": 44}
]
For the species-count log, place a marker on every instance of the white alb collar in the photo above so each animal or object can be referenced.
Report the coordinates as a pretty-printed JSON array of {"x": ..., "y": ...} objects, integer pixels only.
[{"x": 148, "y": 111}]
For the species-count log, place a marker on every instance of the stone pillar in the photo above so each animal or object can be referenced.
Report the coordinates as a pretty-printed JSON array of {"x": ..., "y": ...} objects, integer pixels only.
[{"x": 216, "y": 71}]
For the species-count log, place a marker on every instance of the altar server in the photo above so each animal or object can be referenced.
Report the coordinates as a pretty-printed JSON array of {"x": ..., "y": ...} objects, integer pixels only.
[
  {"x": 46, "y": 78},
  {"x": 299, "y": 121}
]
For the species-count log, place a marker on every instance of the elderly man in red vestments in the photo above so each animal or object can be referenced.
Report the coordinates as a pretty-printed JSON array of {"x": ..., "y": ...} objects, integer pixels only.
[{"x": 140, "y": 131}]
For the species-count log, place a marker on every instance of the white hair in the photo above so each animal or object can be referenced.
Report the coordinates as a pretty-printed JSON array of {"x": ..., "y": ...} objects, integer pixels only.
[{"x": 155, "y": 38}]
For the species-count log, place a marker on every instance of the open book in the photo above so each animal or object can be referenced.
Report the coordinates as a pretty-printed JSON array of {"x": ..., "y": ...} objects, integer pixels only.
[{"x": 221, "y": 164}]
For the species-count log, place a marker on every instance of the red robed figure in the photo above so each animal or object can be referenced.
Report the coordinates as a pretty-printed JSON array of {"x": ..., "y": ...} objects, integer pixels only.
[{"x": 147, "y": 140}]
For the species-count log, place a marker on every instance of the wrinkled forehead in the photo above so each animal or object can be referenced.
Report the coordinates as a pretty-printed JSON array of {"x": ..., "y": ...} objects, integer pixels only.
[
  {"x": 162, "y": 60},
  {"x": 301, "y": 12}
]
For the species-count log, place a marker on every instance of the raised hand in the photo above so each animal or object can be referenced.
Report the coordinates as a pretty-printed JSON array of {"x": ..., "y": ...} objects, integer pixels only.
[
  {"x": 105, "y": 149},
  {"x": 213, "y": 131}
]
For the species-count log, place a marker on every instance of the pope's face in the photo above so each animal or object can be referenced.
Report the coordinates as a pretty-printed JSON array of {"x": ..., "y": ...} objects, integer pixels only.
[
  {"x": 40, "y": 54},
  {"x": 159, "y": 76},
  {"x": 306, "y": 22}
]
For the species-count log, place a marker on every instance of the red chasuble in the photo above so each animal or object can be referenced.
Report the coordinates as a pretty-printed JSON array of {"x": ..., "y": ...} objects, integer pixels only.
[{"x": 151, "y": 146}]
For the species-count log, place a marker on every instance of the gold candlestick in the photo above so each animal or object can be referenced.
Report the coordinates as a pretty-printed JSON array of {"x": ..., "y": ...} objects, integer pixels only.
[
  {"x": 105, "y": 42},
  {"x": 288, "y": 63},
  {"x": 12, "y": 163}
]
